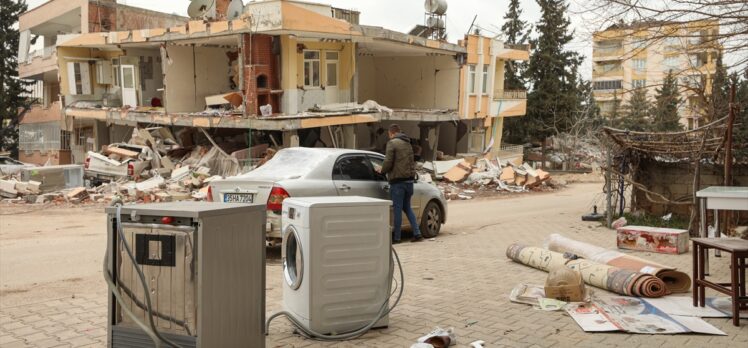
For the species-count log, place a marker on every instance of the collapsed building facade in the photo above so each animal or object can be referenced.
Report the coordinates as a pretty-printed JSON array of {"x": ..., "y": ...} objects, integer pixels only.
[{"x": 284, "y": 73}]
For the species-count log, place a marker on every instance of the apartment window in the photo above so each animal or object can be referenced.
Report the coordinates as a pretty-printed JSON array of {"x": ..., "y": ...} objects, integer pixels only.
[
  {"x": 331, "y": 63},
  {"x": 608, "y": 67},
  {"x": 639, "y": 43},
  {"x": 671, "y": 63},
  {"x": 311, "y": 69},
  {"x": 79, "y": 78},
  {"x": 638, "y": 83},
  {"x": 672, "y": 42},
  {"x": 606, "y": 85},
  {"x": 471, "y": 79},
  {"x": 484, "y": 86},
  {"x": 695, "y": 60},
  {"x": 639, "y": 64}
]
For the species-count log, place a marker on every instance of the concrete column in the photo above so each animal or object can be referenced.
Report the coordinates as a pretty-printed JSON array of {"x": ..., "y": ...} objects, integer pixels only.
[{"x": 291, "y": 138}]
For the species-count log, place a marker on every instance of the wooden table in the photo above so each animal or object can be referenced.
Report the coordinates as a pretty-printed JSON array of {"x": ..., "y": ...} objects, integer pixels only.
[
  {"x": 738, "y": 248},
  {"x": 719, "y": 198}
]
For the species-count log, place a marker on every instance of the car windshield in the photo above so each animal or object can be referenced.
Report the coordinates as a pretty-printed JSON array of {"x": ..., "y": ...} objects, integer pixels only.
[{"x": 288, "y": 163}]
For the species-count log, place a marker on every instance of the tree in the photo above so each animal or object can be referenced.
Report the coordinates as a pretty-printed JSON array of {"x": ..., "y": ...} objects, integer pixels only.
[
  {"x": 665, "y": 111},
  {"x": 552, "y": 72},
  {"x": 740, "y": 133},
  {"x": 514, "y": 30},
  {"x": 635, "y": 111},
  {"x": 13, "y": 102},
  {"x": 719, "y": 97},
  {"x": 615, "y": 115}
]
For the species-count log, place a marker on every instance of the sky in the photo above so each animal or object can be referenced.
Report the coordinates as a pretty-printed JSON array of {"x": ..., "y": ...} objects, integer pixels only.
[{"x": 403, "y": 15}]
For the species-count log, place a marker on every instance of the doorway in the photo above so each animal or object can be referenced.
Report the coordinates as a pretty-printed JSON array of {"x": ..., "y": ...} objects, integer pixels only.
[{"x": 129, "y": 93}]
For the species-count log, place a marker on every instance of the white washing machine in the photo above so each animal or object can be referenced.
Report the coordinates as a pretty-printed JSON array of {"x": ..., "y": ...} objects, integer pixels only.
[{"x": 336, "y": 261}]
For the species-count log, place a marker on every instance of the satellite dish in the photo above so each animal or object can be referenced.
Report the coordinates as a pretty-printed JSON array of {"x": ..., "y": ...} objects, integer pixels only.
[
  {"x": 236, "y": 8},
  {"x": 437, "y": 7},
  {"x": 202, "y": 9}
]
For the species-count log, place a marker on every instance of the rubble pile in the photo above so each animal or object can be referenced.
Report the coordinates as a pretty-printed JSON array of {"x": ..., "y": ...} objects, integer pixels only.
[
  {"x": 153, "y": 166},
  {"x": 471, "y": 176}
]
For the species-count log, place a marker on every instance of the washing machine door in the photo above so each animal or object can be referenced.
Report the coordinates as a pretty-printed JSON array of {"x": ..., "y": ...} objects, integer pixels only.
[{"x": 293, "y": 258}]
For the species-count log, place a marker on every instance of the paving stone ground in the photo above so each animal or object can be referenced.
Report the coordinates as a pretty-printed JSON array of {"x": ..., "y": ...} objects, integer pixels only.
[{"x": 460, "y": 280}]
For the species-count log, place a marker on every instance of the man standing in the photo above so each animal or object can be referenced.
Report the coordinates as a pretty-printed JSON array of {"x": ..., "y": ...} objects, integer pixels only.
[{"x": 400, "y": 168}]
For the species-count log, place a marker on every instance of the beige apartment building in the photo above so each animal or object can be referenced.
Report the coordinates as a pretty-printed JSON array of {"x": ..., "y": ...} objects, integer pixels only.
[{"x": 626, "y": 57}]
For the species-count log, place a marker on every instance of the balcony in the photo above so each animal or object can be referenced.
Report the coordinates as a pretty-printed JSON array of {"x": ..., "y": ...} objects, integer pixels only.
[
  {"x": 508, "y": 103},
  {"x": 510, "y": 94},
  {"x": 38, "y": 62},
  {"x": 607, "y": 52}
]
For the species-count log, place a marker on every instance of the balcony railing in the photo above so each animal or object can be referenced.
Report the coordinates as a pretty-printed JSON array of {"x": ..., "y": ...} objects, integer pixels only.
[
  {"x": 43, "y": 53},
  {"x": 520, "y": 47},
  {"x": 510, "y": 94}
]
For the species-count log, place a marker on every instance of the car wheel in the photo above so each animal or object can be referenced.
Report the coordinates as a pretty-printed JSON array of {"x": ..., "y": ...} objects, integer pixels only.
[{"x": 431, "y": 220}]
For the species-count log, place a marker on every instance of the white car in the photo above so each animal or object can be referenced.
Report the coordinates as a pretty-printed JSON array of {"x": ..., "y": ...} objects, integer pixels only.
[{"x": 306, "y": 172}]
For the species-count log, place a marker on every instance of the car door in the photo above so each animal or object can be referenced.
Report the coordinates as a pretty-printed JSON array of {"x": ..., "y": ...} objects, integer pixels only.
[{"x": 353, "y": 175}]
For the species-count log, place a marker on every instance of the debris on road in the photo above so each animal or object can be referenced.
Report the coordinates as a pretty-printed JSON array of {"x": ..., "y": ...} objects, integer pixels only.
[
  {"x": 438, "y": 338},
  {"x": 472, "y": 176}
]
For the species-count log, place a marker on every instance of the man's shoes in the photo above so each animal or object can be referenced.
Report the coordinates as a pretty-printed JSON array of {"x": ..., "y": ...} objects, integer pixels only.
[
  {"x": 396, "y": 242},
  {"x": 417, "y": 239}
]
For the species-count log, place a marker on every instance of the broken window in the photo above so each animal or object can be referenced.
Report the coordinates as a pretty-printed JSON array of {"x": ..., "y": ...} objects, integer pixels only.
[
  {"x": 311, "y": 69},
  {"x": 471, "y": 79}
]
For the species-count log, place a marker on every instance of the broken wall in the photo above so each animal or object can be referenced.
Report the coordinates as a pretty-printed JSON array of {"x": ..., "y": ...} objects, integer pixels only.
[
  {"x": 675, "y": 181},
  {"x": 415, "y": 82},
  {"x": 107, "y": 15},
  {"x": 297, "y": 97},
  {"x": 194, "y": 73},
  {"x": 148, "y": 74}
]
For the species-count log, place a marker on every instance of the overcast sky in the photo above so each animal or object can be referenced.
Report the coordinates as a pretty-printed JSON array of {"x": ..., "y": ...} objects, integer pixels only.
[{"x": 402, "y": 15}]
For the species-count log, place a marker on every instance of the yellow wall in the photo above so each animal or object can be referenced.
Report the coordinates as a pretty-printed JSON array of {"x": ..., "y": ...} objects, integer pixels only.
[
  {"x": 65, "y": 53},
  {"x": 293, "y": 62}
]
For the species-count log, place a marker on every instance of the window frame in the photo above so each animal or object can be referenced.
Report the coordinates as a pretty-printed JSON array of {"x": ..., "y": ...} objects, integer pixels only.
[
  {"x": 484, "y": 82},
  {"x": 367, "y": 161},
  {"x": 312, "y": 69},
  {"x": 471, "y": 79},
  {"x": 328, "y": 62},
  {"x": 639, "y": 83},
  {"x": 639, "y": 67}
]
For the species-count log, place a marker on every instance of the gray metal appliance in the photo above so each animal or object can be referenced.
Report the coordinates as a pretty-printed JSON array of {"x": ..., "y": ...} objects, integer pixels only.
[{"x": 204, "y": 266}]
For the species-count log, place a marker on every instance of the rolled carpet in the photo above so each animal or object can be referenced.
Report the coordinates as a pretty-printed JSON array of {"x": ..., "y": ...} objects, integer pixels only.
[
  {"x": 675, "y": 281},
  {"x": 618, "y": 280}
]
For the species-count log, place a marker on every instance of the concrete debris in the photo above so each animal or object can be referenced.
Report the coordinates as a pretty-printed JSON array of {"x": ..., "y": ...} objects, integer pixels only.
[
  {"x": 474, "y": 176},
  {"x": 155, "y": 165}
]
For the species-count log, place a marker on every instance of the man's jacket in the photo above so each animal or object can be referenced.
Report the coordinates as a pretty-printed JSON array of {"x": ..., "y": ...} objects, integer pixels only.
[{"x": 399, "y": 164}]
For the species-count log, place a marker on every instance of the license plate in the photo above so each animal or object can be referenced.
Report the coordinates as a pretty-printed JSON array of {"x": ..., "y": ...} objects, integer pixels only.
[{"x": 238, "y": 198}]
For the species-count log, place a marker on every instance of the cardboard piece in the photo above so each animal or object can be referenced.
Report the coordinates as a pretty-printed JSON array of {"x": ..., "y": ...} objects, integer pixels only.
[
  {"x": 634, "y": 315},
  {"x": 654, "y": 239},
  {"x": 459, "y": 172}
]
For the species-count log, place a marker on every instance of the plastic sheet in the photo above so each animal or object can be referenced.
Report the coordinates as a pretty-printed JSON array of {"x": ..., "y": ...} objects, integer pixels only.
[
  {"x": 618, "y": 280},
  {"x": 675, "y": 281}
]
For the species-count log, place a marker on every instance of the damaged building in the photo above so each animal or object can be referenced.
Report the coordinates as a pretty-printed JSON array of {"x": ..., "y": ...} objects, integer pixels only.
[{"x": 281, "y": 73}]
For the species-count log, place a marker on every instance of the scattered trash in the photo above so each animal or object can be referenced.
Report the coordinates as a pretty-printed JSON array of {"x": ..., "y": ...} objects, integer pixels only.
[
  {"x": 618, "y": 223},
  {"x": 527, "y": 294},
  {"x": 667, "y": 217},
  {"x": 551, "y": 304},
  {"x": 471, "y": 323},
  {"x": 477, "y": 344},
  {"x": 634, "y": 315},
  {"x": 439, "y": 338}
]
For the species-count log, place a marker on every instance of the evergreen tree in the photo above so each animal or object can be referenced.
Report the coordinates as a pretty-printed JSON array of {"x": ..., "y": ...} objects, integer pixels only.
[
  {"x": 719, "y": 97},
  {"x": 552, "y": 72},
  {"x": 12, "y": 89},
  {"x": 740, "y": 132},
  {"x": 514, "y": 29},
  {"x": 635, "y": 111},
  {"x": 665, "y": 111}
]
